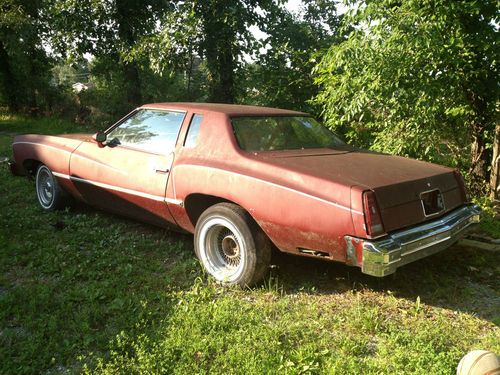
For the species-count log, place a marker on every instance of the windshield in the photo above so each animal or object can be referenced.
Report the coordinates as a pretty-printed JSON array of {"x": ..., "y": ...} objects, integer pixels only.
[{"x": 282, "y": 133}]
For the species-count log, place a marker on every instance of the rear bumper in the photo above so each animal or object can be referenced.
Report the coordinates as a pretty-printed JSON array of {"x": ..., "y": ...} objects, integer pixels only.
[{"x": 381, "y": 257}]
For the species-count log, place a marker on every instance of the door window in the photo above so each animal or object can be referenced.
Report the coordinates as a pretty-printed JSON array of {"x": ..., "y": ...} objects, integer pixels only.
[{"x": 150, "y": 130}]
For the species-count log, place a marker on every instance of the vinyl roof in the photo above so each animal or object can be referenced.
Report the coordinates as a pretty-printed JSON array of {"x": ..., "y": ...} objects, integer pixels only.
[{"x": 228, "y": 109}]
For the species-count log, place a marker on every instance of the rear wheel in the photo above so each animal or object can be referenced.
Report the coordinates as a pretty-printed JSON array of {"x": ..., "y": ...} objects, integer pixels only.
[
  {"x": 231, "y": 246},
  {"x": 50, "y": 195}
]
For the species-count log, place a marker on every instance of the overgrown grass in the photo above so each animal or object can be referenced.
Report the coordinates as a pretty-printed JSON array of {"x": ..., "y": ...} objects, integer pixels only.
[
  {"x": 11, "y": 124},
  {"x": 81, "y": 290}
]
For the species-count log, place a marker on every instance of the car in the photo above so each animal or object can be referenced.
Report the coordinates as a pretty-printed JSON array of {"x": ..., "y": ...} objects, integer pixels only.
[{"x": 247, "y": 179}]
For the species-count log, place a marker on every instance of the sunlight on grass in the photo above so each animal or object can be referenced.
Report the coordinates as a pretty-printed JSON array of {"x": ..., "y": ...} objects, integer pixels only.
[
  {"x": 19, "y": 124},
  {"x": 81, "y": 290}
]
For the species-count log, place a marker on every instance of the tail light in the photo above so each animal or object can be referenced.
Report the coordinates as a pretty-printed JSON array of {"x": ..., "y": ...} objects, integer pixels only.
[
  {"x": 461, "y": 185},
  {"x": 373, "y": 221}
]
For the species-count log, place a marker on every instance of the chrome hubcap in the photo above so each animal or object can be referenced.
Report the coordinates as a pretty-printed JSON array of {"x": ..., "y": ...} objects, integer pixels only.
[
  {"x": 222, "y": 249},
  {"x": 45, "y": 187}
]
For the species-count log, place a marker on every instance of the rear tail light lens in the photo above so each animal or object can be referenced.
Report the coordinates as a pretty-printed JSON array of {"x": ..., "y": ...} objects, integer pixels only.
[
  {"x": 461, "y": 185},
  {"x": 373, "y": 221}
]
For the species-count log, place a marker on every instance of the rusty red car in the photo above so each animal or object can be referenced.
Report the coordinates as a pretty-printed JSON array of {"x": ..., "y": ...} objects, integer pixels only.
[{"x": 245, "y": 179}]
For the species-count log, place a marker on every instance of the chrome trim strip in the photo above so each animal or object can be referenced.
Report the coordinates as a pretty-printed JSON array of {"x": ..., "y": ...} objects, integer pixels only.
[
  {"x": 157, "y": 198},
  {"x": 61, "y": 175},
  {"x": 120, "y": 189},
  {"x": 162, "y": 109},
  {"x": 277, "y": 185},
  {"x": 383, "y": 256},
  {"x": 177, "y": 202}
]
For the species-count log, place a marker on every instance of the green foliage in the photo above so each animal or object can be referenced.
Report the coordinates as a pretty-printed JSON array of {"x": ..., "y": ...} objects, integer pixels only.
[
  {"x": 281, "y": 75},
  {"x": 215, "y": 31},
  {"x": 24, "y": 65},
  {"x": 416, "y": 79},
  {"x": 84, "y": 291},
  {"x": 109, "y": 31},
  {"x": 490, "y": 223},
  {"x": 143, "y": 51}
]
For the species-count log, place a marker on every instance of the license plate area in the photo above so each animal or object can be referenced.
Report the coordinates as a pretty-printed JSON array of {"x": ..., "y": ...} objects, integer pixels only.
[{"x": 432, "y": 202}]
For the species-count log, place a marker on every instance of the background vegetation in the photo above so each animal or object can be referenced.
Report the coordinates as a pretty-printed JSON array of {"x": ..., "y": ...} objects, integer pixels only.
[
  {"x": 84, "y": 291},
  {"x": 405, "y": 77}
]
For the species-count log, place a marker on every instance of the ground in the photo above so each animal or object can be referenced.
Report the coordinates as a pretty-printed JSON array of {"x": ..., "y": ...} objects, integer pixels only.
[{"x": 85, "y": 291}]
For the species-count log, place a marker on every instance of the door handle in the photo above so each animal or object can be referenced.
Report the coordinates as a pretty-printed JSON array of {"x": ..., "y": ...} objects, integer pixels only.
[{"x": 161, "y": 170}]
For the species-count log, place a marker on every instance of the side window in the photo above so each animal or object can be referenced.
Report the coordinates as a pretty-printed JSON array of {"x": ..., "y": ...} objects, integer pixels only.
[
  {"x": 193, "y": 131},
  {"x": 150, "y": 130}
]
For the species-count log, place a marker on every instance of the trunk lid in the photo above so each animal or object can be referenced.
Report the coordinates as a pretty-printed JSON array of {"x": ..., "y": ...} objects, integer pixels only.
[{"x": 399, "y": 183}]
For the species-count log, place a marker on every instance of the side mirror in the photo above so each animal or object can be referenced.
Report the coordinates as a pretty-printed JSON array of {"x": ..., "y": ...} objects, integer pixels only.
[{"x": 99, "y": 138}]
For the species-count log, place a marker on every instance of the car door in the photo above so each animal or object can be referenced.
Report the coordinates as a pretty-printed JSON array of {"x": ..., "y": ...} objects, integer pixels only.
[{"x": 129, "y": 174}]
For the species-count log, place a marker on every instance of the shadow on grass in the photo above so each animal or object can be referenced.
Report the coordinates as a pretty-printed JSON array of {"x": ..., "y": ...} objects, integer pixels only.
[{"x": 459, "y": 278}]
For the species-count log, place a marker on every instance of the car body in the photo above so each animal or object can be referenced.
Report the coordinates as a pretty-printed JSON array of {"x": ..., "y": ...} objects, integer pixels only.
[{"x": 244, "y": 178}]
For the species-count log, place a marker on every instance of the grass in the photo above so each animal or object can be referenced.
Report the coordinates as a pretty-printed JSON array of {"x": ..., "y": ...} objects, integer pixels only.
[{"x": 84, "y": 291}]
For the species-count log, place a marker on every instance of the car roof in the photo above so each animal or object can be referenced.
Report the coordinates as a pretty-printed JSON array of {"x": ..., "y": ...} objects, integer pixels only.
[{"x": 232, "y": 110}]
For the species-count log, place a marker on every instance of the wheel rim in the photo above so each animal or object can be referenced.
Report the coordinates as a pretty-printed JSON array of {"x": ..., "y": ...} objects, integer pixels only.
[
  {"x": 222, "y": 249},
  {"x": 45, "y": 187}
]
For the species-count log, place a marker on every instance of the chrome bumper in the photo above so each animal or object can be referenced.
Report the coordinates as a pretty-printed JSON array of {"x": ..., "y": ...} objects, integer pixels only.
[{"x": 381, "y": 257}]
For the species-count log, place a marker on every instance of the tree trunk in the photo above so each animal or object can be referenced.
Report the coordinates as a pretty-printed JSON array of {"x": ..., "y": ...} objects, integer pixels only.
[
  {"x": 480, "y": 157},
  {"x": 8, "y": 81},
  {"x": 124, "y": 13},
  {"x": 226, "y": 74},
  {"x": 479, "y": 163},
  {"x": 495, "y": 166},
  {"x": 220, "y": 63},
  {"x": 133, "y": 84}
]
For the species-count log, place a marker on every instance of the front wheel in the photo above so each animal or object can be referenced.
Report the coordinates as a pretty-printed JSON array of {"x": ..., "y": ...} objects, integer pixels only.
[
  {"x": 50, "y": 195},
  {"x": 231, "y": 246}
]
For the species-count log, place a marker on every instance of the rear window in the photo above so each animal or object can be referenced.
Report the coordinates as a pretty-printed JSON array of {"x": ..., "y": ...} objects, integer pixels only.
[{"x": 282, "y": 133}]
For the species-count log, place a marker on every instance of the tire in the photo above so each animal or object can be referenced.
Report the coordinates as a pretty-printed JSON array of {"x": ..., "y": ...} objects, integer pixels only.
[
  {"x": 231, "y": 246},
  {"x": 50, "y": 195}
]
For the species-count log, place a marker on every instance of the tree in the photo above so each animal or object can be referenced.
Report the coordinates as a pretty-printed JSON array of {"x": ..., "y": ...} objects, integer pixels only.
[
  {"x": 215, "y": 31},
  {"x": 24, "y": 65},
  {"x": 495, "y": 166},
  {"x": 281, "y": 75},
  {"x": 418, "y": 78},
  {"x": 108, "y": 30}
]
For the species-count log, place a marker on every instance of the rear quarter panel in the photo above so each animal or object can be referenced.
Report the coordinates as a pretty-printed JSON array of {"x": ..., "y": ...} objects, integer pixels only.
[{"x": 292, "y": 217}]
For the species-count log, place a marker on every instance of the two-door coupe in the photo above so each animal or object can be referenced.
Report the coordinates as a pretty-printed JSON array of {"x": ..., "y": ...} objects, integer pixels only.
[{"x": 244, "y": 178}]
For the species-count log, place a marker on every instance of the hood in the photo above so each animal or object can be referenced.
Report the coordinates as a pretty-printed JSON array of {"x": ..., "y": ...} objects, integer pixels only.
[{"x": 79, "y": 136}]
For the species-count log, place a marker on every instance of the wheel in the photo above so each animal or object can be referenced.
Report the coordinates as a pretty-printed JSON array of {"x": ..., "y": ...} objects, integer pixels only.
[
  {"x": 50, "y": 195},
  {"x": 231, "y": 246}
]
